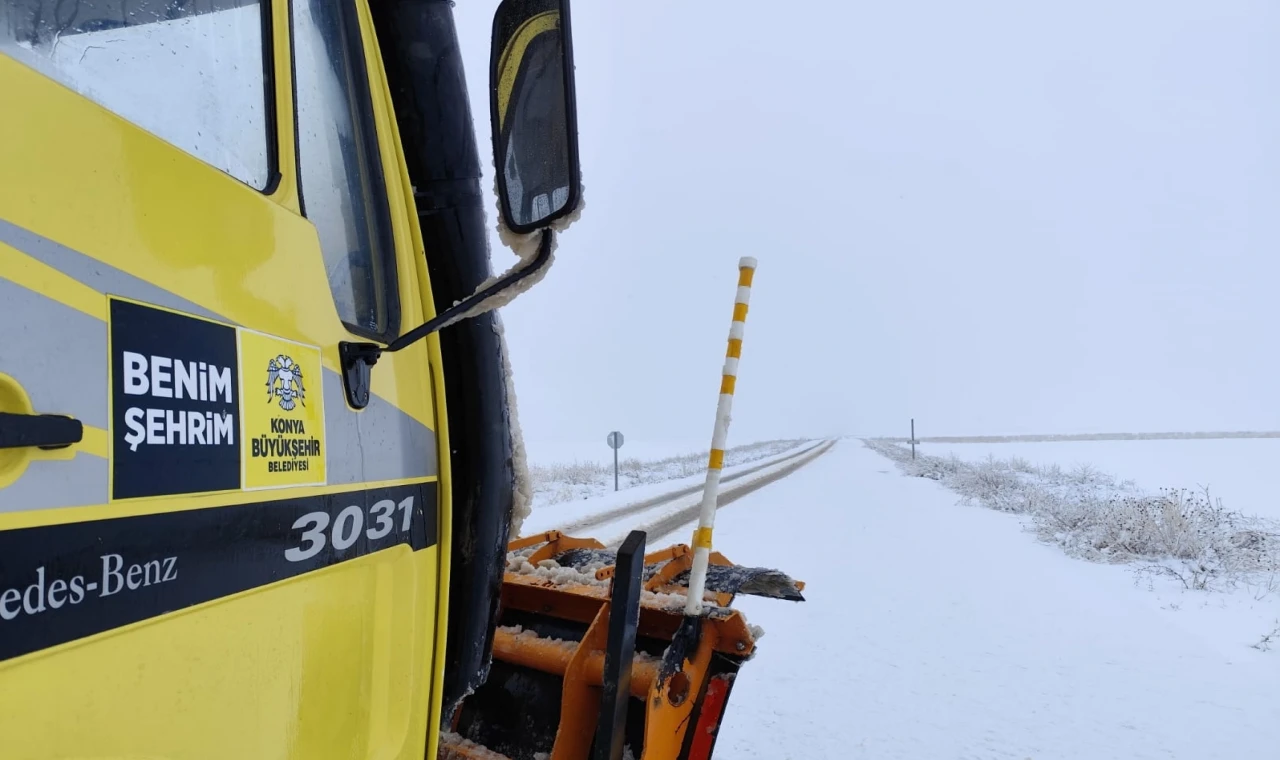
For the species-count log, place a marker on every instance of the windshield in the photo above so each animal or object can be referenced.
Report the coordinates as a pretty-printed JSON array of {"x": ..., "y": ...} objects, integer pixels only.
[{"x": 192, "y": 72}]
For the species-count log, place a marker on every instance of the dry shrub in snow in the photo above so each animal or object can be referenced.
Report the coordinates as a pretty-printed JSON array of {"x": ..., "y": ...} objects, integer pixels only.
[
  {"x": 1185, "y": 534},
  {"x": 574, "y": 473},
  {"x": 1265, "y": 643},
  {"x": 555, "y": 483}
]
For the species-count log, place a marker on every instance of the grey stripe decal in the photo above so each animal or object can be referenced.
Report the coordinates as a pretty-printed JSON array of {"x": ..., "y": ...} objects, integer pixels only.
[
  {"x": 56, "y": 353},
  {"x": 87, "y": 270},
  {"x": 379, "y": 443},
  {"x": 51, "y": 483}
]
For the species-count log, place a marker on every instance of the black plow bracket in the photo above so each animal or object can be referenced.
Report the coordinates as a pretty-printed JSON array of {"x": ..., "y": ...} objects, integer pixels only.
[{"x": 624, "y": 617}]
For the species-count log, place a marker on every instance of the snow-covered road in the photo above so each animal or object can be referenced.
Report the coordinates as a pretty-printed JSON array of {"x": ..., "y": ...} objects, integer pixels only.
[
  {"x": 663, "y": 505},
  {"x": 934, "y": 631}
]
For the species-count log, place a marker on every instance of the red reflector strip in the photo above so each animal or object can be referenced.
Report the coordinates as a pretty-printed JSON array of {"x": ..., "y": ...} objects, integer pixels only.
[{"x": 704, "y": 734}]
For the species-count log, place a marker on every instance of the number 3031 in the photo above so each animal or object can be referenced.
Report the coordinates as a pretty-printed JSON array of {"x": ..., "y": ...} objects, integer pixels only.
[{"x": 316, "y": 532}]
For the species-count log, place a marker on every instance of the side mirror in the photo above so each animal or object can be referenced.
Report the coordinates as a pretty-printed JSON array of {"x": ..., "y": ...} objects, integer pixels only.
[
  {"x": 535, "y": 146},
  {"x": 533, "y": 113}
]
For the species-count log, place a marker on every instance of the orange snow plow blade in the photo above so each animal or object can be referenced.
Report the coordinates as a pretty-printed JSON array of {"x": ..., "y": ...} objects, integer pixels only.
[{"x": 594, "y": 657}]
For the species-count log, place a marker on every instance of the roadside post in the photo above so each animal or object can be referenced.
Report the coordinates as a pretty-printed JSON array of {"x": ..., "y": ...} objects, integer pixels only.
[{"x": 693, "y": 607}]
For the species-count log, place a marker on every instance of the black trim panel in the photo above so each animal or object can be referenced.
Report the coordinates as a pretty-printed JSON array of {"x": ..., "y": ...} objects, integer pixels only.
[
  {"x": 271, "y": 111},
  {"x": 424, "y": 68},
  {"x": 297, "y": 136},
  {"x": 59, "y": 583}
]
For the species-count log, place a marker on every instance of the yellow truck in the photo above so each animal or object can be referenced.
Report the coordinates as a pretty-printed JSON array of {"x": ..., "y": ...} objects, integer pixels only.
[{"x": 259, "y": 492}]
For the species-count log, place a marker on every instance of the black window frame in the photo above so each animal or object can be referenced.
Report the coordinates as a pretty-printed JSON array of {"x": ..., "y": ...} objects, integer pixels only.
[
  {"x": 361, "y": 105},
  {"x": 274, "y": 175}
]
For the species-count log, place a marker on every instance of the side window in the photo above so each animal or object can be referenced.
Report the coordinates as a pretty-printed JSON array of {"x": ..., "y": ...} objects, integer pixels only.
[
  {"x": 343, "y": 190},
  {"x": 191, "y": 72}
]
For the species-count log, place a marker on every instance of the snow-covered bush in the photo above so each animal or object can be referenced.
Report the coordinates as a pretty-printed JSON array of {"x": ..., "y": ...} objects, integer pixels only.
[
  {"x": 1185, "y": 534},
  {"x": 1167, "y": 436}
]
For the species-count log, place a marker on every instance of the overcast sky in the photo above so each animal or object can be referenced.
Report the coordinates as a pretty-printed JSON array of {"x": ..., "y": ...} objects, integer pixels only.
[{"x": 996, "y": 217}]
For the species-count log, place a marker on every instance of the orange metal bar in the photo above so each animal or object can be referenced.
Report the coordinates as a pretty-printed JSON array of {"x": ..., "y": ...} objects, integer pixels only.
[
  {"x": 552, "y": 656},
  {"x": 670, "y": 702},
  {"x": 583, "y": 603},
  {"x": 534, "y": 540},
  {"x": 555, "y": 543},
  {"x": 674, "y": 567},
  {"x": 562, "y": 543},
  {"x": 580, "y": 700}
]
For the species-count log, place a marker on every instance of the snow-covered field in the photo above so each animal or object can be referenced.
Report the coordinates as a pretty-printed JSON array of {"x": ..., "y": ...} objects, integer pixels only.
[
  {"x": 1239, "y": 471},
  {"x": 934, "y": 630}
]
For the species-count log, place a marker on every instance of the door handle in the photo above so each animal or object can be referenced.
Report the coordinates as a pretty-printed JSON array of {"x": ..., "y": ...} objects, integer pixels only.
[{"x": 46, "y": 431}]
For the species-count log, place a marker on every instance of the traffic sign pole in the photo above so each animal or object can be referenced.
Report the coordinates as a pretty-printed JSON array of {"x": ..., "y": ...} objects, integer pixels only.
[{"x": 615, "y": 440}]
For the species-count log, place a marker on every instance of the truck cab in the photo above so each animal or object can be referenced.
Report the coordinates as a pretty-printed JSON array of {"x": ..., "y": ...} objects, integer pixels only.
[{"x": 237, "y": 518}]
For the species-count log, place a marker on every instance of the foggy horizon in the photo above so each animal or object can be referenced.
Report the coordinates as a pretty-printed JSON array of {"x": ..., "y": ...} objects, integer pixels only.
[{"x": 1002, "y": 220}]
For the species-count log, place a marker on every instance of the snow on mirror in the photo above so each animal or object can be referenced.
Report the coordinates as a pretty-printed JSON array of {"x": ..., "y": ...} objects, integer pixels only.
[
  {"x": 533, "y": 113},
  {"x": 191, "y": 72}
]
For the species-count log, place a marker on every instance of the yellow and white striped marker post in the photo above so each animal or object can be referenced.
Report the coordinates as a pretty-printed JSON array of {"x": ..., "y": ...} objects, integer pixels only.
[{"x": 710, "y": 492}]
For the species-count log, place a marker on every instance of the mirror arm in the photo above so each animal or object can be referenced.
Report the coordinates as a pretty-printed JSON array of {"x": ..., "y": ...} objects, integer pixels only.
[
  {"x": 473, "y": 300},
  {"x": 358, "y": 358}
]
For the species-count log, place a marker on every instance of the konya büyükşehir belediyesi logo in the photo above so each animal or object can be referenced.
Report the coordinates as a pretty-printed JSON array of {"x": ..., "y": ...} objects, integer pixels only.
[
  {"x": 284, "y": 381},
  {"x": 284, "y": 433}
]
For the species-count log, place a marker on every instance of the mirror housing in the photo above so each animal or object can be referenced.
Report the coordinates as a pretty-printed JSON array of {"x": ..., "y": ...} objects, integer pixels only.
[{"x": 533, "y": 113}]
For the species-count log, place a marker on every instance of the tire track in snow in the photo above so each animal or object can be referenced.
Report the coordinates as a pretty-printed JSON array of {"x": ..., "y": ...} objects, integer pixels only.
[
  {"x": 583, "y": 525},
  {"x": 662, "y": 526}
]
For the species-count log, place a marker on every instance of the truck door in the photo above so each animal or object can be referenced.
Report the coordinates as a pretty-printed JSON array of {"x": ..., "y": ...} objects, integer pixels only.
[{"x": 204, "y": 551}]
